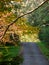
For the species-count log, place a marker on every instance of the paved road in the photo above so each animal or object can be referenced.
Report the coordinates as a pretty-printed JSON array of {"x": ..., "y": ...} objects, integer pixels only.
[{"x": 32, "y": 55}]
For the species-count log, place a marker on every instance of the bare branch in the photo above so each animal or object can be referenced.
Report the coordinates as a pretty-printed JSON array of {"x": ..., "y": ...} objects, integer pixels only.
[{"x": 20, "y": 17}]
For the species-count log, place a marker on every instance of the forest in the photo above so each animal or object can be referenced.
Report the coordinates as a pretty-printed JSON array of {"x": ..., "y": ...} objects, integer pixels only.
[{"x": 23, "y": 21}]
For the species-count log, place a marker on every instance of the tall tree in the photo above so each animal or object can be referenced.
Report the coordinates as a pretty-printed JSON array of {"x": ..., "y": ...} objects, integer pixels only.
[
  {"x": 40, "y": 16},
  {"x": 13, "y": 3}
]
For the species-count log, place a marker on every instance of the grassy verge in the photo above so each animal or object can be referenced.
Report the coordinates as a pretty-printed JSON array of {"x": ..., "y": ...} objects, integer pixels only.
[
  {"x": 44, "y": 49},
  {"x": 10, "y": 54}
]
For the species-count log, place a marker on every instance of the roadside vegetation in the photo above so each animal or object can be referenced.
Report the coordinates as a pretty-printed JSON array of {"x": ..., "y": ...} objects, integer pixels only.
[
  {"x": 10, "y": 51},
  {"x": 16, "y": 26},
  {"x": 40, "y": 18},
  {"x": 44, "y": 50},
  {"x": 44, "y": 37}
]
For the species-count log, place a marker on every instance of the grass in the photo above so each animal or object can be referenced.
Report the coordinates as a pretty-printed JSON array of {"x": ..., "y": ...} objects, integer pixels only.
[
  {"x": 10, "y": 55},
  {"x": 44, "y": 49},
  {"x": 9, "y": 52}
]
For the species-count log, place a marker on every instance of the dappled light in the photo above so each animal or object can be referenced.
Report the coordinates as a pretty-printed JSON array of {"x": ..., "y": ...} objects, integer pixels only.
[{"x": 29, "y": 38}]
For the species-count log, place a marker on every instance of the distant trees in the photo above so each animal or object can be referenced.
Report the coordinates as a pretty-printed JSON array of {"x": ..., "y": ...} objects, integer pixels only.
[
  {"x": 40, "y": 18},
  {"x": 44, "y": 35}
]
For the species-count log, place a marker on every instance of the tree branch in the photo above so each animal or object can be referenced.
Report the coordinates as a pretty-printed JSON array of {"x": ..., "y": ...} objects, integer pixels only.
[{"x": 20, "y": 17}]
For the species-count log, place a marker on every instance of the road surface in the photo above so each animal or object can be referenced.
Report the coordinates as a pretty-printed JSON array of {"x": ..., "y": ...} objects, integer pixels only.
[{"x": 32, "y": 55}]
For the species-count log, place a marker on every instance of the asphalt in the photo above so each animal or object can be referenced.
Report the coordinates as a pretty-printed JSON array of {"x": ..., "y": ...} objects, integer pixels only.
[{"x": 32, "y": 55}]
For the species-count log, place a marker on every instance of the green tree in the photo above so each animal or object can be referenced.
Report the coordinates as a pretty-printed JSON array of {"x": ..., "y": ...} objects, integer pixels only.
[{"x": 40, "y": 16}]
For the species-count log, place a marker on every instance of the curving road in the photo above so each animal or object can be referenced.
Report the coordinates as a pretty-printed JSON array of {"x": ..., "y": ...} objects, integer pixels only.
[{"x": 32, "y": 55}]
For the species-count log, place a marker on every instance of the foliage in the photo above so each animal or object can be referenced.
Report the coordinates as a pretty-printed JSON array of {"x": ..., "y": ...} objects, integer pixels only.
[
  {"x": 10, "y": 50},
  {"x": 44, "y": 35},
  {"x": 6, "y": 4},
  {"x": 25, "y": 27},
  {"x": 44, "y": 49},
  {"x": 40, "y": 16},
  {"x": 16, "y": 61},
  {"x": 10, "y": 9},
  {"x": 11, "y": 57}
]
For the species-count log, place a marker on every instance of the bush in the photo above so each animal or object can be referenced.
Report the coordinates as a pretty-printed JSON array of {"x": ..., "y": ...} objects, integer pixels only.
[
  {"x": 44, "y": 34},
  {"x": 15, "y": 61},
  {"x": 9, "y": 52},
  {"x": 10, "y": 55}
]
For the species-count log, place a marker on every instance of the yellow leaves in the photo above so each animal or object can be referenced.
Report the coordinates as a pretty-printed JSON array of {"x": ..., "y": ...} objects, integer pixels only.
[{"x": 26, "y": 28}]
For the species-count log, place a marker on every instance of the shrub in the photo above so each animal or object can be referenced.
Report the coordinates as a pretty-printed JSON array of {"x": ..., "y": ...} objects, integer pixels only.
[
  {"x": 44, "y": 34},
  {"x": 15, "y": 61},
  {"x": 9, "y": 52}
]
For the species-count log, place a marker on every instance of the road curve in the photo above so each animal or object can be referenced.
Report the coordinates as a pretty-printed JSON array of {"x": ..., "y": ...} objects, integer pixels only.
[{"x": 32, "y": 55}]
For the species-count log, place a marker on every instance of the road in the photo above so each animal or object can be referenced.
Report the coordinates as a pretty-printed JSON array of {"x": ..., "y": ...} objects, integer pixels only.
[{"x": 32, "y": 55}]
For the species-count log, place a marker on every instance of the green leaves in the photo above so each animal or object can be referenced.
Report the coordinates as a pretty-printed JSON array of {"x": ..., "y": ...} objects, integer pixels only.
[
  {"x": 2, "y": 6},
  {"x": 44, "y": 34},
  {"x": 40, "y": 15},
  {"x": 13, "y": 51}
]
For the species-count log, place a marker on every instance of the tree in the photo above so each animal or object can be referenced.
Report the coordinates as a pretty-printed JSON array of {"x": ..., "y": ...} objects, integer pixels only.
[
  {"x": 44, "y": 35},
  {"x": 20, "y": 17},
  {"x": 40, "y": 16}
]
